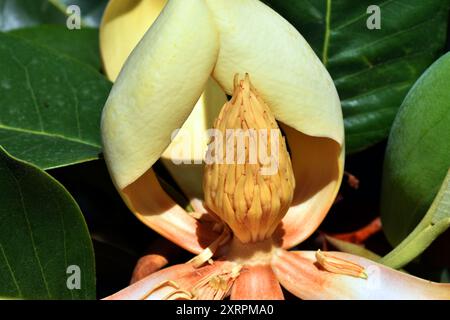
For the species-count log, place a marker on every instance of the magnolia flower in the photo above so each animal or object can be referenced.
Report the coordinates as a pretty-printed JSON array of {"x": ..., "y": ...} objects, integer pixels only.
[{"x": 244, "y": 221}]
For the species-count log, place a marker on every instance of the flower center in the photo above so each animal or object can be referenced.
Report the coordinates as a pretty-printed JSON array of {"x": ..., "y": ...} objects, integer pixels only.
[{"x": 249, "y": 181}]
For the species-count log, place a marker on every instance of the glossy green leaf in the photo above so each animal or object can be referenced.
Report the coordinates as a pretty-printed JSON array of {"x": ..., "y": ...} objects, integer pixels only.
[
  {"x": 79, "y": 44},
  {"x": 16, "y": 14},
  {"x": 418, "y": 152},
  {"x": 372, "y": 69},
  {"x": 435, "y": 222},
  {"x": 50, "y": 105},
  {"x": 42, "y": 234}
]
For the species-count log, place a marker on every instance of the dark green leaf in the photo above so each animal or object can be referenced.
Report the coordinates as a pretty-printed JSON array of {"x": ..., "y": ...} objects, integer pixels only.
[
  {"x": 50, "y": 105},
  {"x": 418, "y": 152},
  {"x": 16, "y": 14},
  {"x": 372, "y": 69},
  {"x": 42, "y": 233},
  {"x": 79, "y": 44}
]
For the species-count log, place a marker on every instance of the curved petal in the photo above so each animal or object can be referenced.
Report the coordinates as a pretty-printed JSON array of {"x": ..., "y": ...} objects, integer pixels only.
[
  {"x": 148, "y": 201},
  {"x": 300, "y": 92},
  {"x": 318, "y": 165},
  {"x": 184, "y": 156},
  {"x": 123, "y": 24},
  {"x": 301, "y": 274},
  {"x": 257, "y": 282},
  {"x": 140, "y": 289},
  {"x": 161, "y": 83},
  {"x": 289, "y": 76}
]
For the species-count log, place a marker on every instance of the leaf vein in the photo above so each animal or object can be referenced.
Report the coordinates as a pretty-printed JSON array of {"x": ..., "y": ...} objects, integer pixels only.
[
  {"x": 356, "y": 19},
  {"x": 48, "y": 135},
  {"x": 388, "y": 37},
  {"x": 30, "y": 88},
  {"x": 381, "y": 64},
  {"x": 11, "y": 271},
  {"x": 36, "y": 255}
]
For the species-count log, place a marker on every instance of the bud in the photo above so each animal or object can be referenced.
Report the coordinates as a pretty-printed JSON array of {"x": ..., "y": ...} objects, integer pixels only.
[{"x": 246, "y": 193}]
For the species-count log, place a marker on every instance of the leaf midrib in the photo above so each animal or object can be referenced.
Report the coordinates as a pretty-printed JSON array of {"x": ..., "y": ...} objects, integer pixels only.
[
  {"x": 50, "y": 135},
  {"x": 326, "y": 41}
]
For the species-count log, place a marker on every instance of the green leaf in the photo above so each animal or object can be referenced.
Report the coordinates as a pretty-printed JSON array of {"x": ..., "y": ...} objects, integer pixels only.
[
  {"x": 418, "y": 153},
  {"x": 435, "y": 222},
  {"x": 79, "y": 44},
  {"x": 16, "y": 14},
  {"x": 42, "y": 233},
  {"x": 372, "y": 69},
  {"x": 50, "y": 105},
  {"x": 352, "y": 248}
]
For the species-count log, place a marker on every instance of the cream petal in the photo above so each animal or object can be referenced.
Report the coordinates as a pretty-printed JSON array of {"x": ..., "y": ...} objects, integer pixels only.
[
  {"x": 257, "y": 282},
  {"x": 123, "y": 25},
  {"x": 148, "y": 201},
  {"x": 318, "y": 165},
  {"x": 285, "y": 70},
  {"x": 184, "y": 156},
  {"x": 301, "y": 274},
  {"x": 157, "y": 88},
  {"x": 300, "y": 92}
]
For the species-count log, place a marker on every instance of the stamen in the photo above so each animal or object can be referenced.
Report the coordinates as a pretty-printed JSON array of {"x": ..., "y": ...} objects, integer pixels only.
[
  {"x": 214, "y": 286},
  {"x": 179, "y": 295},
  {"x": 340, "y": 266},
  {"x": 218, "y": 285},
  {"x": 167, "y": 283},
  {"x": 209, "y": 252}
]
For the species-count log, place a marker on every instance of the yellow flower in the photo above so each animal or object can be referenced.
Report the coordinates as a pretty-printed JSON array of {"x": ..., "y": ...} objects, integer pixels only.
[{"x": 177, "y": 77}]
